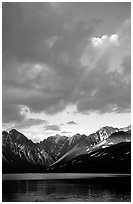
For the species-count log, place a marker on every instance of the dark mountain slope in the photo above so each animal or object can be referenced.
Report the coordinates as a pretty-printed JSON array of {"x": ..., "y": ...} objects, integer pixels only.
[
  {"x": 59, "y": 146},
  {"x": 113, "y": 159},
  {"x": 55, "y": 146},
  {"x": 86, "y": 148},
  {"x": 22, "y": 155}
]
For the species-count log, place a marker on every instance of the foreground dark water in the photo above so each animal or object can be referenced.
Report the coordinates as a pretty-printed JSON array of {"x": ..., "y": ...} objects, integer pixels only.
[{"x": 63, "y": 188}]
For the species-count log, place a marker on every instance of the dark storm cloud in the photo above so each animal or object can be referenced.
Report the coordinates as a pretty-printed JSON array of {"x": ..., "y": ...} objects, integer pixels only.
[
  {"x": 52, "y": 127},
  {"x": 26, "y": 123},
  {"x": 106, "y": 92},
  {"x": 28, "y": 27},
  {"x": 72, "y": 123},
  {"x": 43, "y": 44},
  {"x": 11, "y": 113},
  {"x": 25, "y": 28}
]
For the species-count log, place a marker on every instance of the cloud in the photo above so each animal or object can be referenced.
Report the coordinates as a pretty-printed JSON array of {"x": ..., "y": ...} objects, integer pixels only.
[
  {"x": 19, "y": 118},
  {"x": 11, "y": 113},
  {"x": 105, "y": 40},
  {"x": 50, "y": 61},
  {"x": 27, "y": 29},
  {"x": 106, "y": 86},
  {"x": 52, "y": 127},
  {"x": 33, "y": 75},
  {"x": 51, "y": 41},
  {"x": 66, "y": 132},
  {"x": 72, "y": 123},
  {"x": 27, "y": 123}
]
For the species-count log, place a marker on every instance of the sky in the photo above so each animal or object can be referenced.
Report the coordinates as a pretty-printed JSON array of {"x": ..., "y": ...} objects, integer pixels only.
[{"x": 66, "y": 67}]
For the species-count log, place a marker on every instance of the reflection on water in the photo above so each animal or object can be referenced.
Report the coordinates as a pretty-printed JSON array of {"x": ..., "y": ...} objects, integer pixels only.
[{"x": 68, "y": 190}]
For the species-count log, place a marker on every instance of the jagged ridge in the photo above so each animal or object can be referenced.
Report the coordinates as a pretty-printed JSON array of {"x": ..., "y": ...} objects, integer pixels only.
[{"x": 22, "y": 155}]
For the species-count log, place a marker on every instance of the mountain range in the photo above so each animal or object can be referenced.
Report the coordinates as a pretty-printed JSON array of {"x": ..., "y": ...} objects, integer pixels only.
[{"x": 106, "y": 151}]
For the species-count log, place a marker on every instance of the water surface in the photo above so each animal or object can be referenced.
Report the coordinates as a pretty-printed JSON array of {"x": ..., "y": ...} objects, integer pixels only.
[{"x": 66, "y": 188}]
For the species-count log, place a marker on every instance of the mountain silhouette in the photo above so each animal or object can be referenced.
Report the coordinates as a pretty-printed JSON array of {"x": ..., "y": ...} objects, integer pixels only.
[{"x": 107, "y": 150}]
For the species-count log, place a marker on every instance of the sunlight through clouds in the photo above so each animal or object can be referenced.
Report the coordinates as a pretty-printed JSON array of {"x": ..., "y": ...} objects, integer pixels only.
[
  {"x": 61, "y": 57},
  {"x": 105, "y": 40}
]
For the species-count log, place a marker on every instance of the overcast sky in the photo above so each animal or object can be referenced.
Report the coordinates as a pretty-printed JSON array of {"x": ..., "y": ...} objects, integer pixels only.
[{"x": 66, "y": 67}]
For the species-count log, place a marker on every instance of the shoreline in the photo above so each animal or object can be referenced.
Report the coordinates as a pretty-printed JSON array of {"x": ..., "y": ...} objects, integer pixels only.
[{"x": 48, "y": 176}]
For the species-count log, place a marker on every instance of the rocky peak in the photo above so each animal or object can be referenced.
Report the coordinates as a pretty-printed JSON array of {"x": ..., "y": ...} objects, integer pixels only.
[
  {"x": 16, "y": 137},
  {"x": 106, "y": 131},
  {"x": 74, "y": 139},
  {"x": 57, "y": 138},
  {"x": 13, "y": 131},
  {"x": 126, "y": 128}
]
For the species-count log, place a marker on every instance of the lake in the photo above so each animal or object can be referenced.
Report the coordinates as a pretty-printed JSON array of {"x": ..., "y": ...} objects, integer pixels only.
[{"x": 66, "y": 188}]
